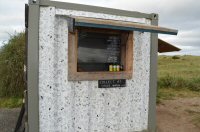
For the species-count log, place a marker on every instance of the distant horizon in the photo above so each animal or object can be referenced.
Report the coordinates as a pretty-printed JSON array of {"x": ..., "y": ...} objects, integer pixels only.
[
  {"x": 176, "y": 55},
  {"x": 182, "y": 52}
]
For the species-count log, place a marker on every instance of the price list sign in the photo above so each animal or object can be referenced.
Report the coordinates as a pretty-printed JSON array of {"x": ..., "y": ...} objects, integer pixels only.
[{"x": 113, "y": 49}]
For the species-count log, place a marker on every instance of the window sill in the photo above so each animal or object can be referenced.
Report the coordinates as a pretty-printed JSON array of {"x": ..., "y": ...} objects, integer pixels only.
[{"x": 89, "y": 76}]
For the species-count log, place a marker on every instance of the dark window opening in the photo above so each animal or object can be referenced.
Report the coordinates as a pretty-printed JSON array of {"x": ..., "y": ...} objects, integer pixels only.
[{"x": 98, "y": 50}]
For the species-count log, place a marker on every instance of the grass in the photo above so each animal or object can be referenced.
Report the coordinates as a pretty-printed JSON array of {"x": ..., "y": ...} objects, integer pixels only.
[
  {"x": 178, "y": 76},
  {"x": 170, "y": 94},
  {"x": 12, "y": 67},
  {"x": 11, "y": 71},
  {"x": 186, "y": 67},
  {"x": 10, "y": 102}
]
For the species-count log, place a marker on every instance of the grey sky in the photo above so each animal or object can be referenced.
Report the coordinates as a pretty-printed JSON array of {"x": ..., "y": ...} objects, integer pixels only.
[{"x": 183, "y": 15}]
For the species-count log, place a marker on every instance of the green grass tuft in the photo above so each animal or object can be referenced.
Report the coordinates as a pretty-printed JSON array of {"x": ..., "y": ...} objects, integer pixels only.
[
  {"x": 12, "y": 66},
  {"x": 11, "y": 102},
  {"x": 178, "y": 82},
  {"x": 175, "y": 57},
  {"x": 176, "y": 75}
]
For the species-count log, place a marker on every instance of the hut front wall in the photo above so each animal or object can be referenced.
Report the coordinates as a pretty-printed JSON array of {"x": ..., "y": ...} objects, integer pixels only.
[{"x": 69, "y": 106}]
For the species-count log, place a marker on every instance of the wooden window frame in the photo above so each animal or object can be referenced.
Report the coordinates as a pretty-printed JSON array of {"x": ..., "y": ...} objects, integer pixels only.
[{"x": 74, "y": 75}]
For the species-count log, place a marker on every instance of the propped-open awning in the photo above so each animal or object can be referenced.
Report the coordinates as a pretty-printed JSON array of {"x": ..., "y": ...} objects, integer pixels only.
[
  {"x": 129, "y": 26},
  {"x": 166, "y": 47},
  {"x": 122, "y": 25}
]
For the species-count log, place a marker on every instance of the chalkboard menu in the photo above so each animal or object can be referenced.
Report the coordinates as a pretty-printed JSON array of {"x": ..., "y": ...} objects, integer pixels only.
[{"x": 96, "y": 51}]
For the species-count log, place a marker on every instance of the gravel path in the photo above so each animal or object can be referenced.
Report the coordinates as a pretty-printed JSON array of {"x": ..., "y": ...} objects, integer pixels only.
[{"x": 8, "y": 119}]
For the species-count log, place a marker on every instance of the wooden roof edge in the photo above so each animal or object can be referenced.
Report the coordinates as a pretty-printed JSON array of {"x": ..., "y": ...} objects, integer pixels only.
[
  {"x": 125, "y": 25},
  {"x": 164, "y": 46}
]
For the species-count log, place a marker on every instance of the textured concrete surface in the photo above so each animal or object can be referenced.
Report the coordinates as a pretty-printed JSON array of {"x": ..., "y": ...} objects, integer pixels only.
[
  {"x": 8, "y": 119},
  {"x": 80, "y": 105}
]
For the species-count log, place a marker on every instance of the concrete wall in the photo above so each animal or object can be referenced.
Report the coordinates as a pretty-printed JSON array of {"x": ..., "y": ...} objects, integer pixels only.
[{"x": 68, "y": 106}]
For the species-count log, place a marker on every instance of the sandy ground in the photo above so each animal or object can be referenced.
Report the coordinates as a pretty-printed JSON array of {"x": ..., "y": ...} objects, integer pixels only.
[
  {"x": 172, "y": 116},
  {"x": 178, "y": 115}
]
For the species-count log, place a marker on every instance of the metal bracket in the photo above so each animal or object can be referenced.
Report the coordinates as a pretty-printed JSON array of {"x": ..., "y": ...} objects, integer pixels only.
[
  {"x": 154, "y": 16},
  {"x": 26, "y": 15},
  {"x": 33, "y": 2}
]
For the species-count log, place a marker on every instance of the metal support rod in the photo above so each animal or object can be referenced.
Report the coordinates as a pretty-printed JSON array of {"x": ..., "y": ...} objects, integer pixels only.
[{"x": 153, "y": 78}]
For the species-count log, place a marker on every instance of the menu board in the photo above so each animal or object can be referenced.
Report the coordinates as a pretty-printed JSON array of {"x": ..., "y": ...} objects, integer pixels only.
[{"x": 98, "y": 47}]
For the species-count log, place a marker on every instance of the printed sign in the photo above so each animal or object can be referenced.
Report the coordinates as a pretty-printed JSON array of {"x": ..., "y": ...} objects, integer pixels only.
[{"x": 112, "y": 83}]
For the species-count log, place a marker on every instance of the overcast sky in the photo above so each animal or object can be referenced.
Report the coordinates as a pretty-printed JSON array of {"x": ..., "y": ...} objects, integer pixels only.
[{"x": 183, "y": 15}]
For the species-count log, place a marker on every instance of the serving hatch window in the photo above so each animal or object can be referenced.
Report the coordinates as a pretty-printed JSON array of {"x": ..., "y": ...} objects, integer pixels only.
[
  {"x": 96, "y": 53},
  {"x": 99, "y": 51}
]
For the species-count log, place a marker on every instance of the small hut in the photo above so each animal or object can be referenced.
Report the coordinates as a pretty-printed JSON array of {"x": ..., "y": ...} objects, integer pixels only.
[{"x": 91, "y": 69}]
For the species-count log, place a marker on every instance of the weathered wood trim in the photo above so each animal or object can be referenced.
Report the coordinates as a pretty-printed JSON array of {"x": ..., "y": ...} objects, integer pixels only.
[
  {"x": 73, "y": 75},
  {"x": 123, "y": 25}
]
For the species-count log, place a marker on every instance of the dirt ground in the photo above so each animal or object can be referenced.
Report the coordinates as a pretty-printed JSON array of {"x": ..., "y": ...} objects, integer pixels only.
[
  {"x": 179, "y": 115},
  {"x": 8, "y": 119},
  {"x": 172, "y": 116}
]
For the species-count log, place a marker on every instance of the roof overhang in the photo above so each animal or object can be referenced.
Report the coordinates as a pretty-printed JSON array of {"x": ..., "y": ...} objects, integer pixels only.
[
  {"x": 164, "y": 46},
  {"x": 122, "y": 25},
  {"x": 129, "y": 26}
]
